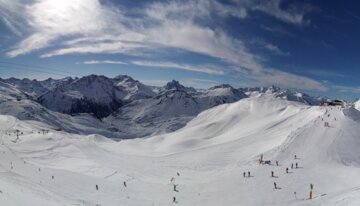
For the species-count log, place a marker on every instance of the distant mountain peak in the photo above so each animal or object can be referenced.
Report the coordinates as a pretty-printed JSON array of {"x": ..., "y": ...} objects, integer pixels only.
[
  {"x": 221, "y": 86},
  {"x": 175, "y": 85}
]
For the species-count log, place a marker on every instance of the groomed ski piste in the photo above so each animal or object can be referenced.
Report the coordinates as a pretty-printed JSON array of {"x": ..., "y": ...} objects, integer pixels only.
[{"x": 205, "y": 160}]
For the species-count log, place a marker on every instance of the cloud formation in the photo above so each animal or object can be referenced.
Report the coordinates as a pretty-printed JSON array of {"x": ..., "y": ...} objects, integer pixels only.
[
  {"x": 209, "y": 69},
  {"x": 103, "y": 62},
  {"x": 57, "y": 27}
]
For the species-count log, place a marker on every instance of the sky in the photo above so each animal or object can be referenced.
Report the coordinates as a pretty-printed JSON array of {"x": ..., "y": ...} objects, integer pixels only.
[{"x": 309, "y": 46}]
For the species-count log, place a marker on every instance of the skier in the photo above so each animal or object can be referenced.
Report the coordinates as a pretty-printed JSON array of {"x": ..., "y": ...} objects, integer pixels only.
[
  {"x": 125, "y": 184},
  {"x": 248, "y": 173},
  {"x": 275, "y": 185},
  {"x": 175, "y": 190},
  {"x": 52, "y": 177},
  {"x": 287, "y": 170},
  {"x": 311, "y": 186},
  {"x": 277, "y": 163},
  {"x": 178, "y": 174},
  {"x": 174, "y": 200},
  {"x": 292, "y": 166},
  {"x": 272, "y": 173},
  {"x": 295, "y": 157},
  {"x": 296, "y": 165},
  {"x": 97, "y": 187},
  {"x": 244, "y": 174}
]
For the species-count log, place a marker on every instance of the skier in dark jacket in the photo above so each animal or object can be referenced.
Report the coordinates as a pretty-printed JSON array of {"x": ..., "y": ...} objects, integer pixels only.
[
  {"x": 272, "y": 173},
  {"x": 275, "y": 187},
  {"x": 244, "y": 174},
  {"x": 125, "y": 184},
  {"x": 287, "y": 170},
  {"x": 248, "y": 173}
]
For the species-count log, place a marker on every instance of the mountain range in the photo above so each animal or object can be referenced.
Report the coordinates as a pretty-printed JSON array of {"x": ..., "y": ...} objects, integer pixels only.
[{"x": 121, "y": 107}]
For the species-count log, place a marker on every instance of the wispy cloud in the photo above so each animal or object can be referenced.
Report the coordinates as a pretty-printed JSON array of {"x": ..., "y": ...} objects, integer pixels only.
[
  {"x": 347, "y": 89},
  {"x": 270, "y": 47},
  {"x": 288, "y": 80},
  {"x": 325, "y": 73},
  {"x": 275, "y": 49},
  {"x": 103, "y": 62},
  {"x": 209, "y": 69},
  {"x": 293, "y": 14},
  {"x": 276, "y": 30}
]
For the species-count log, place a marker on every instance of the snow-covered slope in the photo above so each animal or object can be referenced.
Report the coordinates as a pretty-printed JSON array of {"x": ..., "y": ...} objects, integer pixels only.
[{"x": 210, "y": 154}]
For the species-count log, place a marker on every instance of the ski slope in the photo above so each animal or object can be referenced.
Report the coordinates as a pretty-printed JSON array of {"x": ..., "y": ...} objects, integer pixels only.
[{"x": 210, "y": 153}]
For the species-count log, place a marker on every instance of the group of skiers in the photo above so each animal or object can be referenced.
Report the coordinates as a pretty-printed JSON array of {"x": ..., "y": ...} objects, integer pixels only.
[
  {"x": 296, "y": 166},
  {"x": 248, "y": 174},
  {"x": 97, "y": 186},
  {"x": 172, "y": 180}
]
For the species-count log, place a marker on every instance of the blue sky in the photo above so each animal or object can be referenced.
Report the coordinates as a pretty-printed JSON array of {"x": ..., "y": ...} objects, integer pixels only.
[{"x": 311, "y": 46}]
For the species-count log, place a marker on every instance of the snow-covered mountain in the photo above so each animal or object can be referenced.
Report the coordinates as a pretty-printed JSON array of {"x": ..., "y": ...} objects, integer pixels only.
[
  {"x": 90, "y": 94},
  {"x": 170, "y": 110},
  {"x": 51, "y": 83},
  {"x": 94, "y": 94},
  {"x": 134, "y": 89},
  {"x": 220, "y": 94},
  {"x": 31, "y": 87},
  {"x": 34, "y": 87},
  {"x": 285, "y": 94},
  {"x": 176, "y": 86},
  {"x": 24, "y": 107},
  {"x": 128, "y": 108}
]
